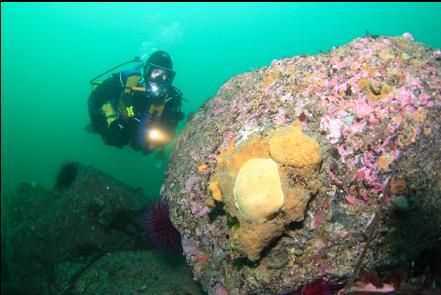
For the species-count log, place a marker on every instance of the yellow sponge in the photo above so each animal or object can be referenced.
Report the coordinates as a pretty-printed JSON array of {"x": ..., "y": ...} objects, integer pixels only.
[
  {"x": 291, "y": 146},
  {"x": 258, "y": 191}
]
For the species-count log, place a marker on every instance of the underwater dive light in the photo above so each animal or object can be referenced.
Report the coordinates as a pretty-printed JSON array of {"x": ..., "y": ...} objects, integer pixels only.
[
  {"x": 158, "y": 136},
  {"x": 154, "y": 134}
]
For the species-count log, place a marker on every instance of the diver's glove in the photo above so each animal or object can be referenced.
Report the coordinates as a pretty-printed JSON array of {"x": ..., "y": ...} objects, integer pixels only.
[{"x": 117, "y": 134}]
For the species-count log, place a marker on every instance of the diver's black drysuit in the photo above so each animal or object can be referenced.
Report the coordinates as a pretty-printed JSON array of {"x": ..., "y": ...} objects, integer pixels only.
[{"x": 124, "y": 127}]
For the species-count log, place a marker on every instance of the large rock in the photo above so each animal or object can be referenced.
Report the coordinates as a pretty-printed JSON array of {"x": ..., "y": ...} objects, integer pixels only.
[{"x": 355, "y": 133}]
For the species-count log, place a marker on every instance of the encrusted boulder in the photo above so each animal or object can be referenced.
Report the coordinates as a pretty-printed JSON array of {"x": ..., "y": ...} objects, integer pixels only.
[{"x": 343, "y": 138}]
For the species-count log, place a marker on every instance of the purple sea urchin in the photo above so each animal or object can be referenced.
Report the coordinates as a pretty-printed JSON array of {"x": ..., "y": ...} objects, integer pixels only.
[
  {"x": 66, "y": 174},
  {"x": 160, "y": 230}
]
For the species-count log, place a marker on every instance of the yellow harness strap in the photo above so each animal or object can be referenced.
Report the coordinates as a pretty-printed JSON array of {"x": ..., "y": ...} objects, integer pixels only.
[
  {"x": 109, "y": 112},
  {"x": 132, "y": 81},
  {"x": 156, "y": 110}
]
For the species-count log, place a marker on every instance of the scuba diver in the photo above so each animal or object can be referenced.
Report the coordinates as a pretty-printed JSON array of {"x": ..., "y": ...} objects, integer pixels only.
[{"x": 137, "y": 107}]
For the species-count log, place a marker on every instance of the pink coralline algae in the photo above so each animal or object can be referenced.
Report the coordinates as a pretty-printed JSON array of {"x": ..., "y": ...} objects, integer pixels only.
[
  {"x": 351, "y": 200},
  {"x": 280, "y": 118},
  {"x": 212, "y": 157},
  {"x": 227, "y": 138},
  {"x": 199, "y": 210},
  {"x": 334, "y": 126},
  {"x": 287, "y": 98},
  {"x": 361, "y": 117},
  {"x": 361, "y": 108},
  {"x": 190, "y": 183},
  {"x": 220, "y": 290},
  {"x": 217, "y": 111},
  {"x": 408, "y": 36},
  {"x": 189, "y": 247}
]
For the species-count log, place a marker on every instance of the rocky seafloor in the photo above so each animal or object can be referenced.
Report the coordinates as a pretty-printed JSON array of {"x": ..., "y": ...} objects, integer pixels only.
[
  {"x": 85, "y": 236},
  {"x": 291, "y": 171}
]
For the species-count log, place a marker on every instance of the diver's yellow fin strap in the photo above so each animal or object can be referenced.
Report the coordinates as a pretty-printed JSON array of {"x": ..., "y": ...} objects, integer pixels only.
[{"x": 109, "y": 112}]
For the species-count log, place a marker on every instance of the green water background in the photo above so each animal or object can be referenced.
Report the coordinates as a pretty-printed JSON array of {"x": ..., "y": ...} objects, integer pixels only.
[{"x": 50, "y": 51}]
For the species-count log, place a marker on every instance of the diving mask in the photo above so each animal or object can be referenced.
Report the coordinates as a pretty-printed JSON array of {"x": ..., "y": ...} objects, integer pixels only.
[
  {"x": 158, "y": 79},
  {"x": 158, "y": 74}
]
